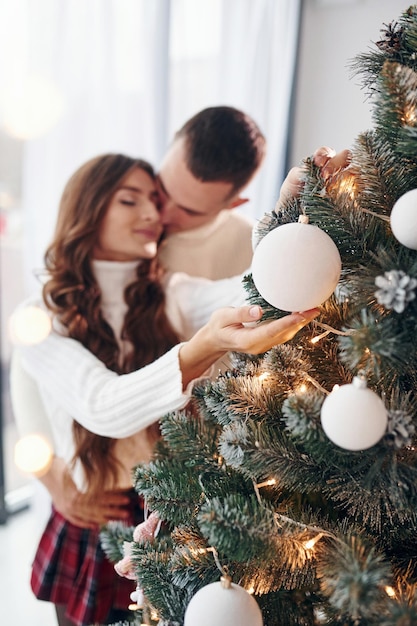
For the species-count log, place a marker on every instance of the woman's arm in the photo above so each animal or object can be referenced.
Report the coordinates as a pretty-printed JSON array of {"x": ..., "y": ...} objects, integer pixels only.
[{"x": 74, "y": 380}]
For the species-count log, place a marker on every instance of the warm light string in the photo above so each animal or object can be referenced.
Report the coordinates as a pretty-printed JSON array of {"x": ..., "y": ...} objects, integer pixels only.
[
  {"x": 335, "y": 331},
  {"x": 385, "y": 218},
  {"x": 315, "y": 383},
  {"x": 266, "y": 483},
  {"x": 313, "y": 529},
  {"x": 409, "y": 116}
]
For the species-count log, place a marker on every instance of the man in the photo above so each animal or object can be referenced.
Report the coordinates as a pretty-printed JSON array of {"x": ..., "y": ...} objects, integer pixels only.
[
  {"x": 210, "y": 162},
  {"x": 212, "y": 158}
]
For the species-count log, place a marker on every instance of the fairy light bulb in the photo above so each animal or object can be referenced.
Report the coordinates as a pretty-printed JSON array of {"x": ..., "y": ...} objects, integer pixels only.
[
  {"x": 309, "y": 545},
  {"x": 267, "y": 483},
  {"x": 29, "y": 325},
  {"x": 390, "y": 591},
  {"x": 409, "y": 116},
  {"x": 348, "y": 185},
  {"x": 263, "y": 377},
  {"x": 344, "y": 183},
  {"x": 33, "y": 454},
  {"x": 317, "y": 338}
]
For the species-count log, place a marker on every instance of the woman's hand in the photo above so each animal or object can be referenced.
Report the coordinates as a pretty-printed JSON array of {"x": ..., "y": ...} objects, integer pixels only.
[{"x": 229, "y": 330}]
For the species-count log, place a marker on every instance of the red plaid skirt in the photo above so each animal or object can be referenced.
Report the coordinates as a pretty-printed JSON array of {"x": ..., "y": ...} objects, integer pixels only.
[{"x": 70, "y": 568}]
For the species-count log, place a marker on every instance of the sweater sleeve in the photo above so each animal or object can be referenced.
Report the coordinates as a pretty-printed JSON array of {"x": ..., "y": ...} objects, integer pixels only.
[
  {"x": 102, "y": 401},
  {"x": 193, "y": 299},
  {"x": 28, "y": 409}
]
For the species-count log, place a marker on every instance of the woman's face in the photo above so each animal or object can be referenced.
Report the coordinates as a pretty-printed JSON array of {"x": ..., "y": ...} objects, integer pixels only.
[{"x": 131, "y": 226}]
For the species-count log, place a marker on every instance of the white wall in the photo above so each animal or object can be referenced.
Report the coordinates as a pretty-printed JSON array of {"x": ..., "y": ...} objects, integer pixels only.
[{"x": 331, "y": 108}]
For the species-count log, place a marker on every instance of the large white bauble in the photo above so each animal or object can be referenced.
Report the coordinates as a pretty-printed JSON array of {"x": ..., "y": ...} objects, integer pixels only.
[
  {"x": 217, "y": 605},
  {"x": 404, "y": 219},
  {"x": 353, "y": 416},
  {"x": 296, "y": 267}
]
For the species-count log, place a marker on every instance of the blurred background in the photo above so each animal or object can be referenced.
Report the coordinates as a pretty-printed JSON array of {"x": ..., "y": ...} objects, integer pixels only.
[{"x": 79, "y": 78}]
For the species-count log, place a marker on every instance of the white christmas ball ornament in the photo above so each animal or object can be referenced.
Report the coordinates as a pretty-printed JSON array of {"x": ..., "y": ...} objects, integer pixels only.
[
  {"x": 353, "y": 416},
  {"x": 220, "y": 604},
  {"x": 296, "y": 266},
  {"x": 404, "y": 219}
]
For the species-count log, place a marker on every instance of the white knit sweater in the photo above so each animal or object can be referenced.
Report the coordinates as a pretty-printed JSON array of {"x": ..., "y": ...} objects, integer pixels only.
[{"x": 71, "y": 383}]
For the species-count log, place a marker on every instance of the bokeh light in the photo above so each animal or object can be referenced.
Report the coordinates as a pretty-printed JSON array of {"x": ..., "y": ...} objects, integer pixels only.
[
  {"x": 29, "y": 325},
  {"x": 33, "y": 454}
]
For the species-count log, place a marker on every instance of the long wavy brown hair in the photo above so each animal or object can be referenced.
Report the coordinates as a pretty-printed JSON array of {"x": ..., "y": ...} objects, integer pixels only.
[{"x": 74, "y": 297}]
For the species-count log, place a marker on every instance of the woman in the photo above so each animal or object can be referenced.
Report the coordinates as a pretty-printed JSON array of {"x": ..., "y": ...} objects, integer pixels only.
[{"x": 116, "y": 361}]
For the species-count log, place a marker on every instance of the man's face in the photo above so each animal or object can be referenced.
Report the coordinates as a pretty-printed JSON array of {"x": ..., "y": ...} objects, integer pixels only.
[{"x": 187, "y": 202}]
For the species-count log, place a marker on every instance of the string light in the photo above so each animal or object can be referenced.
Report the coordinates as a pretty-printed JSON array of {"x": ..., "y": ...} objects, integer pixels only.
[
  {"x": 309, "y": 545},
  {"x": 302, "y": 388},
  {"x": 409, "y": 117},
  {"x": 317, "y": 338},
  {"x": 264, "y": 376},
  {"x": 390, "y": 591},
  {"x": 344, "y": 183},
  {"x": 347, "y": 184},
  {"x": 336, "y": 331},
  {"x": 267, "y": 483}
]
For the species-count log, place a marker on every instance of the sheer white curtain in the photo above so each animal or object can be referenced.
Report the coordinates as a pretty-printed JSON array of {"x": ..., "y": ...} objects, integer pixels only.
[{"x": 112, "y": 75}]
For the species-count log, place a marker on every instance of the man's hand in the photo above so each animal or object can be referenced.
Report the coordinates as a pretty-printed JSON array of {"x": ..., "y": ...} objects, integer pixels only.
[
  {"x": 326, "y": 159},
  {"x": 77, "y": 507}
]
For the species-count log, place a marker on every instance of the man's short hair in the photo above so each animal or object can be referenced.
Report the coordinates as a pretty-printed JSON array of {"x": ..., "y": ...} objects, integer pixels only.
[{"x": 223, "y": 144}]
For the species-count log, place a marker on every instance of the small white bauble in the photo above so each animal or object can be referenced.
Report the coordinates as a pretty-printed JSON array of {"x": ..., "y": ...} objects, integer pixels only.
[
  {"x": 218, "y": 604},
  {"x": 404, "y": 219},
  {"x": 353, "y": 416},
  {"x": 296, "y": 266}
]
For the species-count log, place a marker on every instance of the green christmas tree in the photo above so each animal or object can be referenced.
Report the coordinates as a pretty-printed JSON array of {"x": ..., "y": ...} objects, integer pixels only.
[{"x": 255, "y": 480}]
